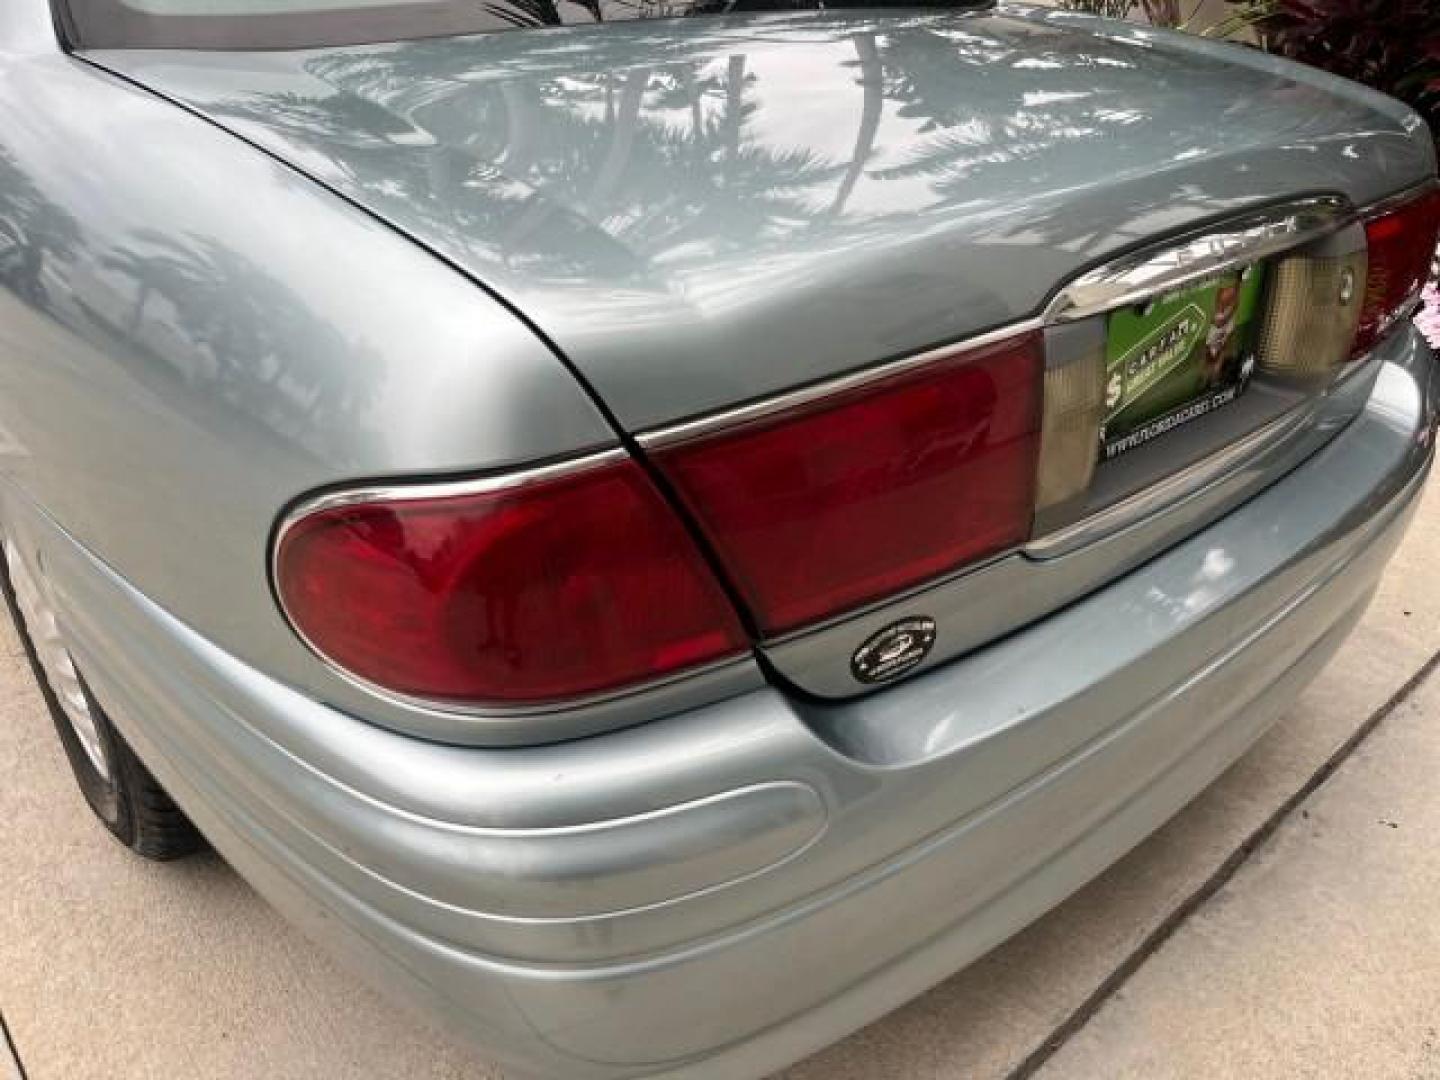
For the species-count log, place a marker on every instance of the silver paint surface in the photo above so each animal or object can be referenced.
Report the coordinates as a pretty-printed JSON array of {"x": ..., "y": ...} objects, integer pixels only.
[
  {"x": 700, "y": 212},
  {"x": 717, "y": 216},
  {"x": 659, "y": 199},
  {"x": 1001, "y": 781},
  {"x": 194, "y": 334}
]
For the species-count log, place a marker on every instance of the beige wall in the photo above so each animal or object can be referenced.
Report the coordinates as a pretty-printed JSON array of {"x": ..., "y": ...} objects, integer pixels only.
[{"x": 1207, "y": 14}]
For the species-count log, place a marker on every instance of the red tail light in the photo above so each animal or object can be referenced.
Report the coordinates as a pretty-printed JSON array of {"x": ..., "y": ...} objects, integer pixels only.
[
  {"x": 564, "y": 584},
  {"x": 560, "y": 586},
  {"x": 1402, "y": 245},
  {"x": 862, "y": 493}
]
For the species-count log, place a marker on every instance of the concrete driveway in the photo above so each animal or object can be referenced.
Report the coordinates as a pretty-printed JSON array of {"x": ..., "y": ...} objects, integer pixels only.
[{"x": 1282, "y": 925}]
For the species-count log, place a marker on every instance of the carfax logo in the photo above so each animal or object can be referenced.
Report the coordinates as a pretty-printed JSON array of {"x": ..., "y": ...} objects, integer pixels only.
[{"x": 1148, "y": 362}]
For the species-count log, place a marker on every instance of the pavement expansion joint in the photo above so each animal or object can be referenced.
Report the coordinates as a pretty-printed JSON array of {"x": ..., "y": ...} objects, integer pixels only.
[
  {"x": 1217, "y": 880},
  {"x": 10, "y": 1067}
]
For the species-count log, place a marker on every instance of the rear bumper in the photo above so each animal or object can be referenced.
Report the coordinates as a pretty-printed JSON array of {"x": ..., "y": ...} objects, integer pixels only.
[{"x": 673, "y": 898}]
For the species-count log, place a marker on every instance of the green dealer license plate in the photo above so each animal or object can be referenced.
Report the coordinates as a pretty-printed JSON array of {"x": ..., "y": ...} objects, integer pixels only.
[{"x": 1178, "y": 356}]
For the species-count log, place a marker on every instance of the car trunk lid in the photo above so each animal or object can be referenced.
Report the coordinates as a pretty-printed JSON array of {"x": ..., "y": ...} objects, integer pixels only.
[
  {"x": 716, "y": 216},
  {"x": 703, "y": 211}
]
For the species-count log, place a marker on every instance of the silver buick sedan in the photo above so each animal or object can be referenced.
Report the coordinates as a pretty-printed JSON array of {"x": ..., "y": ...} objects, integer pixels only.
[{"x": 660, "y": 529}]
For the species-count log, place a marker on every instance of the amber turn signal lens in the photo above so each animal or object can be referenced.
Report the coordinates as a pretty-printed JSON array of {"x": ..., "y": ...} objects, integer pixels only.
[
  {"x": 1314, "y": 308},
  {"x": 1070, "y": 430}
]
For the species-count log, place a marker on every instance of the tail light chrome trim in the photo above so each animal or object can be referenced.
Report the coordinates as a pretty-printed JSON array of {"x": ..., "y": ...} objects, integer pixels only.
[
  {"x": 442, "y": 489},
  {"x": 631, "y": 704},
  {"x": 1400, "y": 198},
  {"x": 695, "y": 428},
  {"x": 606, "y": 709}
]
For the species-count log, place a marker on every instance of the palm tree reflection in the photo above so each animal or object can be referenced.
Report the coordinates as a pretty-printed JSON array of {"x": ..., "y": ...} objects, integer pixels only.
[
  {"x": 35, "y": 235},
  {"x": 556, "y": 155},
  {"x": 223, "y": 323}
]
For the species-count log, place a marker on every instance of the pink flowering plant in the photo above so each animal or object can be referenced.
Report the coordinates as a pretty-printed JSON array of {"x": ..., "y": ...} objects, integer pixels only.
[{"x": 1429, "y": 317}]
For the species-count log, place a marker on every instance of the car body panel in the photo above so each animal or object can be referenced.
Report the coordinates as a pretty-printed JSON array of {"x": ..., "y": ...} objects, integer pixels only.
[
  {"x": 178, "y": 364},
  {"x": 701, "y": 212},
  {"x": 980, "y": 604},
  {"x": 957, "y": 806},
  {"x": 27, "y": 28},
  {"x": 722, "y": 875}
]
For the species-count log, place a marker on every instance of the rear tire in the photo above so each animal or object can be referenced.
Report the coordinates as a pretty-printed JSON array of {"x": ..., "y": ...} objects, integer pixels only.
[{"x": 129, "y": 802}]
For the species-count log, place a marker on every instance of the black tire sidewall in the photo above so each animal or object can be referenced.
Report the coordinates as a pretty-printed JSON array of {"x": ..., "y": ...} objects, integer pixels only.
[{"x": 106, "y": 797}]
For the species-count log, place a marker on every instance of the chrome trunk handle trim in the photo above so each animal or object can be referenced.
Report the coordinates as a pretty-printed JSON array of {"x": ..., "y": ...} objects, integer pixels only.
[
  {"x": 1247, "y": 238},
  {"x": 1133, "y": 278},
  {"x": 1156, "y": 267}
]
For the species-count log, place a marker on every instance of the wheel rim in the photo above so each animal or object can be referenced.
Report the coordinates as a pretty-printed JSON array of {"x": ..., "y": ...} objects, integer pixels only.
[{"x": 55, "y": 661}]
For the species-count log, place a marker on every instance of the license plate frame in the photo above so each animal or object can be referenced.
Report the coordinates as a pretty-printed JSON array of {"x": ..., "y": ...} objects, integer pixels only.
[{"x": 1179, "y": 356}]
